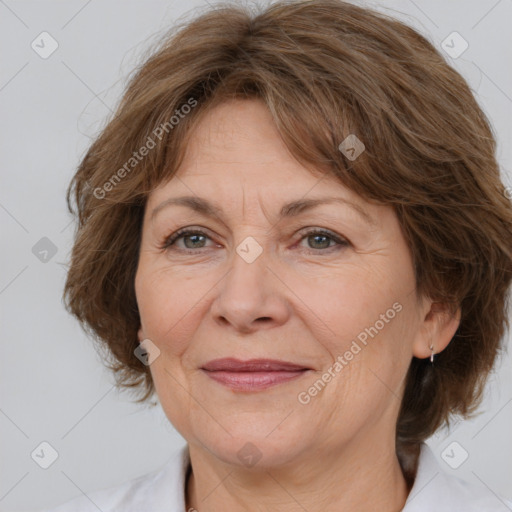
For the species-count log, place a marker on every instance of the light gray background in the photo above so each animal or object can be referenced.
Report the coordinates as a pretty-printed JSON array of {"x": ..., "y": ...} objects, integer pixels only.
[{"x": 53, "y": 386}]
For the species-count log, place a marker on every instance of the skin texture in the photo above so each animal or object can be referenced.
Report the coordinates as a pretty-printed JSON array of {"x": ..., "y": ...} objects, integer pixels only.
[{"x": 304, "y": 299}]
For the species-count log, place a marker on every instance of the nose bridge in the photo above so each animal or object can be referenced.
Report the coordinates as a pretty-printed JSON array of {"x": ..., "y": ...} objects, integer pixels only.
[
  {"x": 249, "y": 292},
  {"x": 246, "y": 281}
]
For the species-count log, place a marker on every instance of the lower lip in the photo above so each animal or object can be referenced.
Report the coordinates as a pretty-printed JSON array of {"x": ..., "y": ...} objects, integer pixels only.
[{"x": 253, "y": 381}]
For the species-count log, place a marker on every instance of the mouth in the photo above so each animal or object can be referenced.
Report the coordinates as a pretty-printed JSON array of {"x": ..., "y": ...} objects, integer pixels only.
[{"x": 252, "y": 375}]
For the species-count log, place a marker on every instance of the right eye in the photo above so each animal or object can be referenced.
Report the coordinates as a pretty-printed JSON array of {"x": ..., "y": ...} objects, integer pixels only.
[{"x": 195, "y": 236}]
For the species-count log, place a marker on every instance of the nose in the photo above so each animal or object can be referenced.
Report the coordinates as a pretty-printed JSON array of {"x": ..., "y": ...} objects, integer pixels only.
[{"x": 250, "y": 296}]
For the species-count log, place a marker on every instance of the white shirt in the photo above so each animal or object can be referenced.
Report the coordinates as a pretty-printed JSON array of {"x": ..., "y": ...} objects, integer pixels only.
[{"x": 163, "y": 490}]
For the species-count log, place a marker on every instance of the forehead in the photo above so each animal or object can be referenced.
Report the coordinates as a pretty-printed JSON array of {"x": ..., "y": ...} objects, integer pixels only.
[
  {"x": 236, "y": 146},
  {"x": 235, "y": 156},
  {"x": 234, "y": 128}
]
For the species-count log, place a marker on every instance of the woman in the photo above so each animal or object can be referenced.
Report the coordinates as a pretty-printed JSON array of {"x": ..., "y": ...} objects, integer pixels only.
[{"x": 294, "y": 232}]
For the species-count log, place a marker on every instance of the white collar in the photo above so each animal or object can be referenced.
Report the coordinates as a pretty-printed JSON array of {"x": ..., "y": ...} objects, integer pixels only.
[
  {"x": 433, "y": 489},
  {"x": 163, "y": 490},
  {"x": 436, "y": 490}
]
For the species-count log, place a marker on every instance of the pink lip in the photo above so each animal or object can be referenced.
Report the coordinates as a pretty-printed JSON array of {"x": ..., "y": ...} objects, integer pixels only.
[
  {"x": 252, "y": 365},
  {"x": 252, "y": 375}
]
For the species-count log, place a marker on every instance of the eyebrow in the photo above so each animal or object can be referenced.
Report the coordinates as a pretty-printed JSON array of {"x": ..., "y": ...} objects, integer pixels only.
[{"x": 291, "y": 209}]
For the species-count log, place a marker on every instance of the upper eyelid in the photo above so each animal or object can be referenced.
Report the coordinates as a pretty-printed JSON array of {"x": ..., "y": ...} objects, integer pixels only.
[
  {"x": 303, "y": 232},
  {"x": 206, "y": 231}
]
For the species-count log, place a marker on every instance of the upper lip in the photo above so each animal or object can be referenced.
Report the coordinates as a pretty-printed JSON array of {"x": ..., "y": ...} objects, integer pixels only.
[{"x": 252, "y": 365}]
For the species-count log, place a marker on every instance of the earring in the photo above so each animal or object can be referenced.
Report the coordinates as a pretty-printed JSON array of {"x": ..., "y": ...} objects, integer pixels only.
[{"x": 432, "y": 354}]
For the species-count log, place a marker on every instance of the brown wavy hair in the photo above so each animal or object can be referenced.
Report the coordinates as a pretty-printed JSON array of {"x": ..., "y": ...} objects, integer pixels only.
[{"x": 325, "y": 69}]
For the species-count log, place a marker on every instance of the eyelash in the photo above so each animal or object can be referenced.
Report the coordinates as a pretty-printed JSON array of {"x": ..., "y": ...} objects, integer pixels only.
[{"x": 181, "y": 233}]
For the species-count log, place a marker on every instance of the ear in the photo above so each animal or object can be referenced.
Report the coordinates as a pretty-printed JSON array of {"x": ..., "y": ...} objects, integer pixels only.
[
  {"x": 140, "y": 335},
  {"x": 438, "y": 328}
]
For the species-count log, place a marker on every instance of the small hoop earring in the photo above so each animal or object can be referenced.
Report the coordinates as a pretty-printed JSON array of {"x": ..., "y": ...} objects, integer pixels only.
[{"x": 432, "y": 355}]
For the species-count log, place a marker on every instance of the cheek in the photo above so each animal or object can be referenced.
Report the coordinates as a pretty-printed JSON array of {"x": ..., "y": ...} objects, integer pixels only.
[
  {"x": 169, "y": 303},
  {"x": 348, "y": 301},
  {"x": 168, "y": 319},
  {"x": 364, "y": 313}
]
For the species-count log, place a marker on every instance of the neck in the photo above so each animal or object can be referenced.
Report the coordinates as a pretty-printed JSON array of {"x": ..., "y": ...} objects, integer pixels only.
[{"x": 348, "y": 479}]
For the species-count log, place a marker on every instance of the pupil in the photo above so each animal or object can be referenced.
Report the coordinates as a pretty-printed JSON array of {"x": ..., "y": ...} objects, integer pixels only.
[
  {"x": 191, "y": 237},
  {"x": 325, "y": 239}
]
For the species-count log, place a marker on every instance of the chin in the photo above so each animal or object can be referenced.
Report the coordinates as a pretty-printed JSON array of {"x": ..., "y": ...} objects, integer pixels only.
[{"x": 256, "y": 443}]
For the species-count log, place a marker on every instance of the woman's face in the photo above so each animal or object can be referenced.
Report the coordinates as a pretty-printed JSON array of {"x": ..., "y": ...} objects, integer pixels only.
[{"x": 327, "y": 288}]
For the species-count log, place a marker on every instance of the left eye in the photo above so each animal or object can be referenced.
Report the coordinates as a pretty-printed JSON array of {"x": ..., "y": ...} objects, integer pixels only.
[
  {"x": 195, "y": 239},
  {"x": 323, "y": 239}
]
